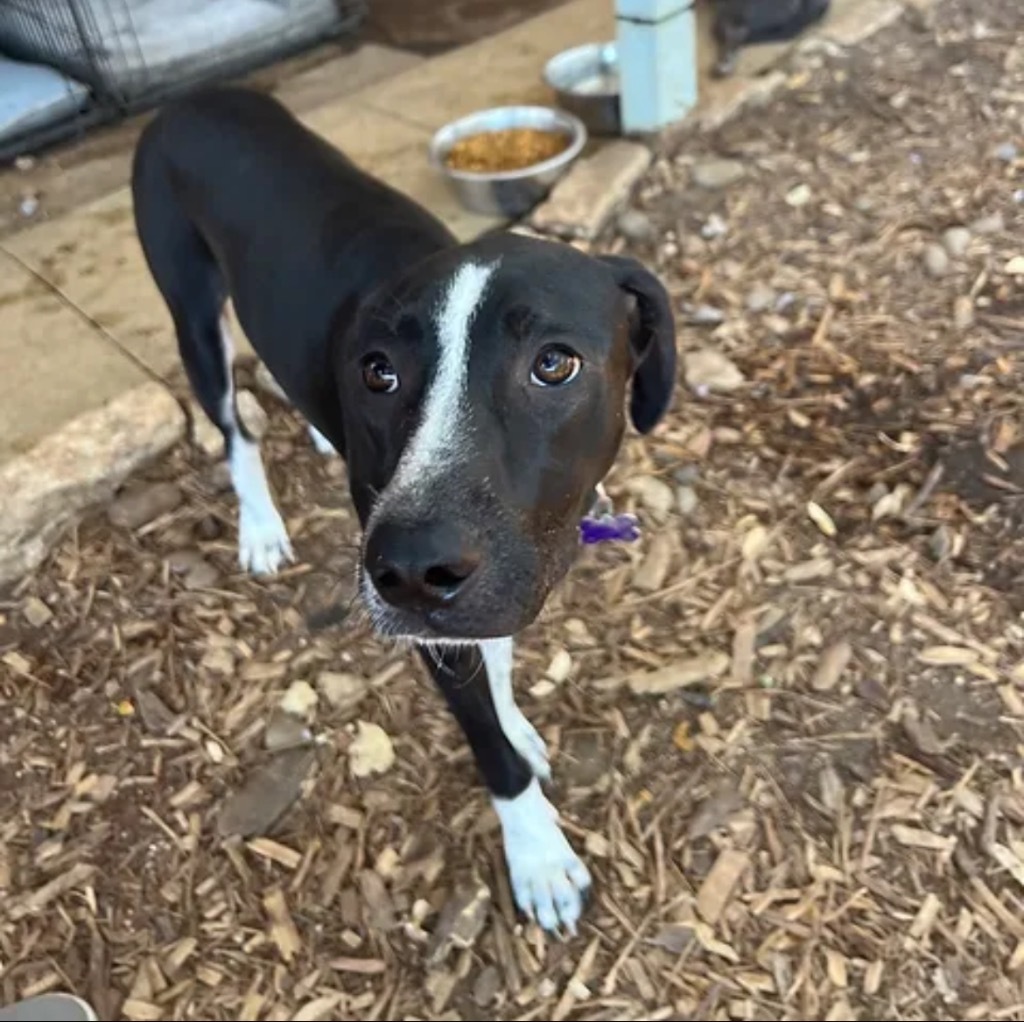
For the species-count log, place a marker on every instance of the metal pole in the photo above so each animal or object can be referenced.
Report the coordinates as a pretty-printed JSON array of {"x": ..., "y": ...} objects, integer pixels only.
[{"x": 657, "y": 50}]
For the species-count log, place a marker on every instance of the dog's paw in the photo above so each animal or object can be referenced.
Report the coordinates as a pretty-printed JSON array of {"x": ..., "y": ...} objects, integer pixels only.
[
  {"x": 526, "y": 740},
  {"x": 320, "y": 442},
  {"x": 549, "y": 881},
  {"x": 263, "y": 544}
]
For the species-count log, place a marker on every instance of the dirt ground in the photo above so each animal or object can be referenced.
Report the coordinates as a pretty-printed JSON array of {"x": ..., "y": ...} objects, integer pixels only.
[{"x": 787, "y": 725}]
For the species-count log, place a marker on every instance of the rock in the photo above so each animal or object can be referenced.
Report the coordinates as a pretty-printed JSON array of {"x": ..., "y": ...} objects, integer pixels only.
[
  {"x": 251, "y": 412},
  {"x": 709, "y": 370},
  {"x": 587, "y": 196},
  {"x": 81, "y": 465},
  {"x": 342, "y": 691},
  {"x": 936, "y": 262},
  {"x": 1007, "y": 152},
  {"x": 714, "y": 227},
  {"x": 705, "y": 315},
  {"x": 269, "y": 792},
  {"x": 799, "y": 196},
  {"x": 654, "y": 493},
  {"x": 139, "y": 506},
  {"x": 285, "y": 731},
  {"x": 560, "y": 667},
  {"x": 761, "y": 298},
  {"x": 994, "y": 223},
  {"x": 636, "y": 225},
  {"x": 36, "y": 612},
  {"x": 718, "y": 173},
  {"x": 956, "y": 241},
  {"x": 371, "y": 752},
  {"x": 1015, "y": 266},
  {"x": 686, "y": 500},
  {"x": 300, "y": 700}
]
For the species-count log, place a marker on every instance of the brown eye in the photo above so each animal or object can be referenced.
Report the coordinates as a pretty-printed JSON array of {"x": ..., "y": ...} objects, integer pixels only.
[
  {"x": 379, "y": 374},
  {"x": 555, "y": 366}
]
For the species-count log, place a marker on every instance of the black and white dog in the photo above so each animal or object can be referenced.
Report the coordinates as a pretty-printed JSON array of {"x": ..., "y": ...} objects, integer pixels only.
[{"x": 477, "y": 393}]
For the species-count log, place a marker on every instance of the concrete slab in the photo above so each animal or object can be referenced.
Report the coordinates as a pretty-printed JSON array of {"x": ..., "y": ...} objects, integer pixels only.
[
  {"x": 55, "y": 363},
  {"x": 93, "y": 256},
  {"x": 338, "y": 77}
]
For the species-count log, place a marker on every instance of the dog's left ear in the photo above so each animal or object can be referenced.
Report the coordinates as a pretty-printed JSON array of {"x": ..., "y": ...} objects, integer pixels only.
[{"x": 652, "y": 339}]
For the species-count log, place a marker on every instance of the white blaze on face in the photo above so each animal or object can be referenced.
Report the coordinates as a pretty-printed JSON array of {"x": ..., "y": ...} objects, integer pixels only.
[{"x": 442, "y": 425}]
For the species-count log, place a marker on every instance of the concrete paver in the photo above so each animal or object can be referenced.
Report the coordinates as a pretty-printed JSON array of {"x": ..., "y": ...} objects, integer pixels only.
[{"x": 54, "y": 362}]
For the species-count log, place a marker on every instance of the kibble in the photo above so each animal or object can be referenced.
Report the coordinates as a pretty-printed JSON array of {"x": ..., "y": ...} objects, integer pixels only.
[{"x": 512, "y": 149}]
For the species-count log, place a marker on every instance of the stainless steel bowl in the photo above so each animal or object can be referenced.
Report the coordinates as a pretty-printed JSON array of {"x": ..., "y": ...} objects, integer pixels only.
[
  {"x": 511, "y": 193},
  {"x": 586, "y": 83}
]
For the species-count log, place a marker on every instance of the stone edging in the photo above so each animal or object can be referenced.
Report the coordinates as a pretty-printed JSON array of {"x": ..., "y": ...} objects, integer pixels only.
[{"x": 81, "y": 465}]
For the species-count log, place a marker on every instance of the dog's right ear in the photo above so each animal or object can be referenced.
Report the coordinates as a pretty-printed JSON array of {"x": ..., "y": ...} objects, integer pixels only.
[{"x": 652, "y": 340}]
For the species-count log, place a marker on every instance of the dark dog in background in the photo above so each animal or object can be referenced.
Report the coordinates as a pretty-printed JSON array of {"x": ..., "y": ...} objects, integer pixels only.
[
  {"x": 477, "y": 393},
  {"x": 739, "y": 23}
]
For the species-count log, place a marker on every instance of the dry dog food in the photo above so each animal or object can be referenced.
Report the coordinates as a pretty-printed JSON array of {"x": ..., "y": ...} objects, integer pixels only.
[{"x": 493, "y": 152}]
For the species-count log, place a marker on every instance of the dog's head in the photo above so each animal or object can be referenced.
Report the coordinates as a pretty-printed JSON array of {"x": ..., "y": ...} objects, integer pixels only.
[{"x": 483, "y": 395}]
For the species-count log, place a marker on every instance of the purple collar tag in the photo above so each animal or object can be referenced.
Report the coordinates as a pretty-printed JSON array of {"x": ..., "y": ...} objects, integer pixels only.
[{"x": 602, "y": 525}]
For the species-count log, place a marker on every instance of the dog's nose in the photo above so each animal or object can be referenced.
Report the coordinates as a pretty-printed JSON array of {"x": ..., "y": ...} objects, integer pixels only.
[{"x": 420, "y": 567}]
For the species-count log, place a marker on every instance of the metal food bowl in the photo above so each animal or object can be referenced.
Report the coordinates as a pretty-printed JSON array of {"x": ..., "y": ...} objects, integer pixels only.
[
  {"x": 586, "y": 83},
  {"x": 510, "y": 193}
]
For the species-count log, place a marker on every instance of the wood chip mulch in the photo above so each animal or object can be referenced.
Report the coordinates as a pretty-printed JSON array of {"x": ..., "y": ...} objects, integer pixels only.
[{"x": 787, "y": 726}]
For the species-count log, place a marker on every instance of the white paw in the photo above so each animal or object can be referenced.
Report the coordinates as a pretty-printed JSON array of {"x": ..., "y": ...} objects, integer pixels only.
[
  {"x": 526, "y": 740},
  {"x": 320, "y": 442},
  {"x": 263, "y": 544},
  {"x": 549, "y": 880}
]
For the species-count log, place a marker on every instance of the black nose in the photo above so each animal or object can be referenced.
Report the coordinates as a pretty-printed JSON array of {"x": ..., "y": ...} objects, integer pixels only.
[{"x": 420, "y": 567}]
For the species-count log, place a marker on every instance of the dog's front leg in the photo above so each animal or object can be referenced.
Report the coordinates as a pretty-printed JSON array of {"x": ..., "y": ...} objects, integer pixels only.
[{"x": 549, "y": 881}]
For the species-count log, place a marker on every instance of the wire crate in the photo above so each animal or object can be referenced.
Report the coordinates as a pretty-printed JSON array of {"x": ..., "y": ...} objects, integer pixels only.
[{"x": 131, "y": 54}]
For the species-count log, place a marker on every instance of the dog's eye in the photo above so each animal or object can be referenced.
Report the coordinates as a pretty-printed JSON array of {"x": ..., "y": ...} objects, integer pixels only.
[
  {"x": 555, "y": 366},
  {"x": 379, "y": 374}
]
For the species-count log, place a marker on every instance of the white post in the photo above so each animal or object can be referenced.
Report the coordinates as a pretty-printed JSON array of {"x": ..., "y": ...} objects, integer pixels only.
[{"x": 657, "y": 51}]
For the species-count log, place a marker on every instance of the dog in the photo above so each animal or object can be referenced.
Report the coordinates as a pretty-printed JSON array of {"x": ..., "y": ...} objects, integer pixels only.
[
  {"x": 477, "y": 393},
  {"x": 738, "y": 23}
]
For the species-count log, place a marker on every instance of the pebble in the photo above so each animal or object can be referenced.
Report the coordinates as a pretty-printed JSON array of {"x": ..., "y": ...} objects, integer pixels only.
[
  {"x": 686, "y": 500},
  {"x": 994, "y": 223},
  {"x": 560, "y": 667},
  {"x": 342, "y": 691},
  {"x": 761, "y": 298},
  {"x": 936, "y": 261},
  {"x": 29, "y": 206},
  {"x": 1007, "y": 152},
  {"x": 799, "y": 196},
  {"x": 956, "y": 241},
  {"x": 709, "y": 370},
  {"x": 706, "y": 315},
  {"x": 371, "y": 752},
  {"x": 714, "y": 227},
  {"x": 1015, "y": 266},
  {"x": 718, "y": 173},
  {"x": 300, "y": 700},
  {"x": 654, "y": 493},
  {"x": 140, "y": 506},
  {"x": 636, "y": 225}
]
